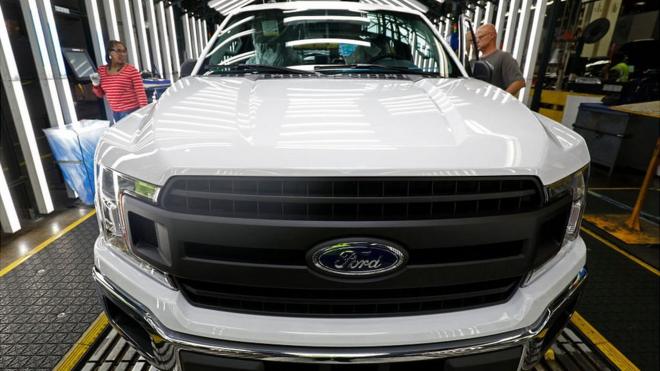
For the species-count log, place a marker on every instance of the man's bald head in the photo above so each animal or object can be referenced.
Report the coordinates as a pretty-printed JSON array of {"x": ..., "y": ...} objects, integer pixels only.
[
  {"x": 486, "y": 38},
  {"x": 487, "y": 28}
]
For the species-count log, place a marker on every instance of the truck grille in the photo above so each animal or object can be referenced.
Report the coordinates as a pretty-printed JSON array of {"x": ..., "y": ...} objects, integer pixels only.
[
  {"x": 351, "y": 198},
  {"x": 346, "y": 302},
  {"x": 241, "y": 244}
]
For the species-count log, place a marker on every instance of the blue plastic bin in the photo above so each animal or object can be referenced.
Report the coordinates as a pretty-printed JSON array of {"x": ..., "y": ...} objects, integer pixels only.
[{"x": 73, "y": 148}]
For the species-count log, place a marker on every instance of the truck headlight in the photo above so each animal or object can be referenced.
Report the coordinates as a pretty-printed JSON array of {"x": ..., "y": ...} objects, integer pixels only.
[
  {"x": 111, "y": 187},
  {"x": 574, "y": 185}
]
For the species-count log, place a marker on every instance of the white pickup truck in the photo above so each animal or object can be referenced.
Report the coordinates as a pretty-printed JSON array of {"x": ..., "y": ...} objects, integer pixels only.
[{"x": 329, "y": 190}]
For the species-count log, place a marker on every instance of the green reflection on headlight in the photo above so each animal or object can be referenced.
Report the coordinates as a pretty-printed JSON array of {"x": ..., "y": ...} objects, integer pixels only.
[{"x": 145, "y": 189}]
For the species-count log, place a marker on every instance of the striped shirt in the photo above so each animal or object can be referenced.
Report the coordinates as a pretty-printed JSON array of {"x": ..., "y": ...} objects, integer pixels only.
[{"x": 124, "y": 89}]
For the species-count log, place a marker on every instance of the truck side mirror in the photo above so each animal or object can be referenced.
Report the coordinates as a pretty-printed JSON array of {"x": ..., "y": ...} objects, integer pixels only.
[
  {"x": 482, "y": 71},
  {"x": 187, "y": 67}
]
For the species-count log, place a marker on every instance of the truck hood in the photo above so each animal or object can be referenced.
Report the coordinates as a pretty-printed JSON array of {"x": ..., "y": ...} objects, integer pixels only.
[{"x": 333, "y": 126}]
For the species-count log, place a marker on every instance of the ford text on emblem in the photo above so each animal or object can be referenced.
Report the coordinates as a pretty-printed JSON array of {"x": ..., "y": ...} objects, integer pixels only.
[{"x": 364, "y": 257}]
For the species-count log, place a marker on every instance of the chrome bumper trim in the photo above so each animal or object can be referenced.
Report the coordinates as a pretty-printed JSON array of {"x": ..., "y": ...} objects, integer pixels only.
[{"x": 165, "y": 341}]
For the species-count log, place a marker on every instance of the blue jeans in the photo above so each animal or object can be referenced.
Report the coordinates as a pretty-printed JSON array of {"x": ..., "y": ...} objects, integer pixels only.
[{"x": 116, "y": 116}]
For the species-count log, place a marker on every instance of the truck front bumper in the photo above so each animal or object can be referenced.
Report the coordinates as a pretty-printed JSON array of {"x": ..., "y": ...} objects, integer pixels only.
[{"x": 142, "y": 323}]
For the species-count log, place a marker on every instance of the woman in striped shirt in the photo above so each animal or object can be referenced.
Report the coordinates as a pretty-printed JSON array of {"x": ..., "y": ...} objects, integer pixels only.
[{"x": 119, "y": 82}]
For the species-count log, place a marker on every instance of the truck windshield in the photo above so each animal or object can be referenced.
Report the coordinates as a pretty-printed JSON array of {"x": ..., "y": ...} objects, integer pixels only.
[{"x": 328, "y": 41}]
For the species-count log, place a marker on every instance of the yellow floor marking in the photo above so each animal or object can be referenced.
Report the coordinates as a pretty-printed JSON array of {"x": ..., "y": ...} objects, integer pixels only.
[
  {"x": 620, "y": 189},
  {"x": 549, "y": 355},
  {"x": 609, "y": 350},
  {"x": 615, "y": 225},
  {"x": 621, "y": 251},
  {"x": 78, "y": 350},
  {"x": 45, "y": 244}
]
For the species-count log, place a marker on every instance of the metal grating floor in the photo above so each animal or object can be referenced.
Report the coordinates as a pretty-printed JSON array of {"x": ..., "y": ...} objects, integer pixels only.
[
  {"x": 571, "y": 352},
  {"x": 48, "y": 301}
]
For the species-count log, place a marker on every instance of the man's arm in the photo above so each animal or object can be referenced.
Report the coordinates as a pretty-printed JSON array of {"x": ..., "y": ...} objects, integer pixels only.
[
  {"x": 512, "y": 75},
  {"x": 515, "y": 87}
]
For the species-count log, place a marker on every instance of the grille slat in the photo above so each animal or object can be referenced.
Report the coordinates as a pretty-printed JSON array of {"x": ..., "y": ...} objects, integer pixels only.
[
  {"x": 335, "y": 303},
  {"x": 351, "y": 198},
  {"x": 280, "y": 256},
  {"x": 346, "y": 298},
  {"x": 356, "y": 200}
]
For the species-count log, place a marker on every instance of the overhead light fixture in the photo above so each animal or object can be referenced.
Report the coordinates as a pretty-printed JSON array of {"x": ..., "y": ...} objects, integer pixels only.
[
  {"x": 416, "y": 5},
  {"x": 227, "y": 6},
  {"x": 410, "y": 4}
]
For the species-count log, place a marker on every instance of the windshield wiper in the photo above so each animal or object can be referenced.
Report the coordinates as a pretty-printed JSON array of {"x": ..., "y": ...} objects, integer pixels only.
[
  {"x": 373, "y": 67},
  {"x": 257, "y": 68}
]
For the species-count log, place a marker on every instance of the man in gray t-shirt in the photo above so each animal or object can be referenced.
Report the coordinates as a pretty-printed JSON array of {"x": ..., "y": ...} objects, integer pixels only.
[{"x": 506, "y": 73}]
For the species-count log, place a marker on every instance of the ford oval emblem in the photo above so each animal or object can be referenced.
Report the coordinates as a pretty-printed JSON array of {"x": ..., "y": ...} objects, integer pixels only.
[{"x": 358, "y": 258}]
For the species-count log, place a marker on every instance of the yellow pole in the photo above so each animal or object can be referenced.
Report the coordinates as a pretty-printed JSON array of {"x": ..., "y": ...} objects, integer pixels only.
[{"x": 633, "y": 220}]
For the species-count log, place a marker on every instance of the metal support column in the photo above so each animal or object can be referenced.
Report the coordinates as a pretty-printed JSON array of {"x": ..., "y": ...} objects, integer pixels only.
[
  {"x": 533, "y": 48},
  {"x": 545, "y": 56},
  {"x": 164, "y": 40},
  {"x": 448, "y": 26},
  {"x": 174, "y": 48},
  {"x": 478, "y": 15},
  {"x": 12, "y": 84},
  {"x": 141, "y": 29},
  {"x": 98, "y": 44},
  {"x": 49, "y": 64},
  {"x": 193, "y": 34},
  {"x": 42, "y": 62},
  {"x": 200, "y": 36},
  {"x": 95, "y": 30},
  {"x": 154, "y": 39},
  {"x": 511, "y": 22},
  {"x": 55, "y": 56},
  {"x": 500, "y": 19},
  {"x": 8, "y": 216},
  {"x": 488, "y": 15},
  {"x": 111, "y": 19},
  {"x": 206, "y": 32},
  {"x": 129, "y": 35},
  {"x": 186, "y": 35},
  {"x": 521, "y": 32}
]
